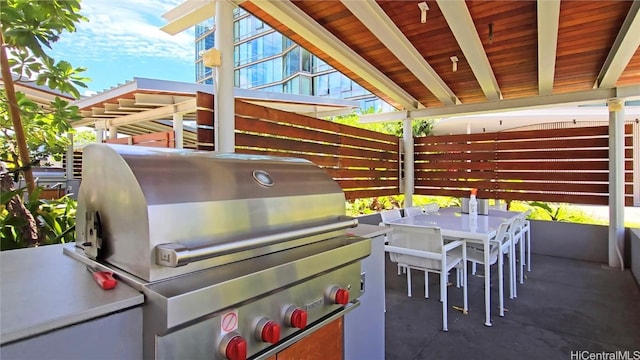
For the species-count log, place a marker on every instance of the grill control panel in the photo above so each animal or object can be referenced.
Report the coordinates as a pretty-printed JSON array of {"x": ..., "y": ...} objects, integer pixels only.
[{"x": 265, "y": 322}]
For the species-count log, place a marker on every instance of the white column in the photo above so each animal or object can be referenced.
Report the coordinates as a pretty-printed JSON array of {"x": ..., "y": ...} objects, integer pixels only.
[
  {"x": 616, "y": 182},
  {"x": 178, "y": 130},
  {"x": 224, "y": 114},
  {"x": 407, "y": 136},
  {"x": 113, "y": 132},
  {"x": 99, "y": 134}
]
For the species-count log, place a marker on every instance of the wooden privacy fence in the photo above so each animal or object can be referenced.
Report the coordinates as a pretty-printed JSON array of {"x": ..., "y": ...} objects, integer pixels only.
[
  {"x": 161, "y": 139},
  {"x": 363, "y": 162},
  {"x": 561, "y": 165}
]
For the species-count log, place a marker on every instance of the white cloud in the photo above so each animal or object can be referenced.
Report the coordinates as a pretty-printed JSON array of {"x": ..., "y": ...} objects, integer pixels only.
[{"x": 127, "y": 28}]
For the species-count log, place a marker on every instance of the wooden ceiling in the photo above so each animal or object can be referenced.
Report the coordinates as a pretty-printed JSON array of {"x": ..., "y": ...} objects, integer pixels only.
[{"x": 505, "y": 49}]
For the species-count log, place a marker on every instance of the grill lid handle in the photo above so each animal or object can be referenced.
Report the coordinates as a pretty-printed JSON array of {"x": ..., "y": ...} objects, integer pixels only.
[{"x": 177, "y": 254}]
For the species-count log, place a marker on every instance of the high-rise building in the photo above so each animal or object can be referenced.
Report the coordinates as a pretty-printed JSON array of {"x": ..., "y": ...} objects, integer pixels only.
[{"x": 266, "y": 60}]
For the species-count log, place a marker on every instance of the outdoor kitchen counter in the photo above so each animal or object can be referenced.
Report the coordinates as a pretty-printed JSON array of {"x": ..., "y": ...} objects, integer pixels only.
[
  {"x": 41, "y": 290},
  {"x": 364, "y": 326},
  {"x": 369, "y": 231}
]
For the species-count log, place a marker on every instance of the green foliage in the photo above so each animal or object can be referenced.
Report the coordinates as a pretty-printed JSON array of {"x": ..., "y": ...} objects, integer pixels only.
[
  {"x": 29, "y": 28},
  {"x": 58, "y": 219},
  {"x": 568, "y": 213},
  {"x": 420, "y": 127},
  {"x": 553, "y": 212},
  {"x": 366, "y": 206},
  {"x": 33, "y": 24},
  {"x": 539, "y": 210},
  {"x": 84, "y": 137},
  {"x": 55, "y": 219},
  {"x": 44, "y": 129}
]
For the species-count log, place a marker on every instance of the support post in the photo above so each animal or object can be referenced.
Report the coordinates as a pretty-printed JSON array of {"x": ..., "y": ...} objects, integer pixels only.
[
  {"x": 113, "y": 132},
  {"x": 409, "y": 182},
  {"x": 99, "y": 134},
  {"x": 178, "y": 130},
  {"x": 616, "y": 183},
  {"x": 224, "y": 112}
]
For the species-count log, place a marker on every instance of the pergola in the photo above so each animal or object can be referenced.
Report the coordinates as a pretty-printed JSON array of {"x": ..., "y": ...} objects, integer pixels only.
[
  {"x": 144, "y": 105},
  {"x": 443, "y": 58}
]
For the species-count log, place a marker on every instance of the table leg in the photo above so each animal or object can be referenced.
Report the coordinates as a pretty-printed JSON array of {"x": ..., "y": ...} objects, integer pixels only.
[{"x": 487, "y": 284}]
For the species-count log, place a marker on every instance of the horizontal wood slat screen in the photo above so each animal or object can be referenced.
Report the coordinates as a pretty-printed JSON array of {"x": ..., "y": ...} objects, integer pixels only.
[
  {"x": 77, "y": 164},
  {"x": 159, "y": 139},
  {"x": 363, "y": 162},
  {"x": 560, "y": 165}
]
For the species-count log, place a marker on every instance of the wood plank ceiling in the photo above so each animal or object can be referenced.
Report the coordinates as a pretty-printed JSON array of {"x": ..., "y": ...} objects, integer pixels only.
[{"x": 497, "y": 44}]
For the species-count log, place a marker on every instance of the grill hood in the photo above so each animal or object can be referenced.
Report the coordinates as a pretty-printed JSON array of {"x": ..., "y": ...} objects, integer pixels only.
[{"x": 157, "y": 213}]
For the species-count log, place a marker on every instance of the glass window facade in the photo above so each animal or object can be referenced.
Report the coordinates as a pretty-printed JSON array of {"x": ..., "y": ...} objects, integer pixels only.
[
  {"x": 258, "y": 48},
  {"x": 205, "y": 27},
  {"x": 247, "y": 27},
  {"x": 204, "y": 43},
  {"x": 266, "y": 60}
]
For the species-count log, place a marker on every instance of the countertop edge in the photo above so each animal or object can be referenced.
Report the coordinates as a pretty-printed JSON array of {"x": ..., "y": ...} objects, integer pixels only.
[
  {"x": 59, "y": 323},
  {"x": 42, "y": 289},
  {"x": 370, "y": 231}
]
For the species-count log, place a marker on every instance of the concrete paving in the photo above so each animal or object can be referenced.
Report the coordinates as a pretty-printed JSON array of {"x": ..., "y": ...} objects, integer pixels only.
[{"x": 566, "y": 309}]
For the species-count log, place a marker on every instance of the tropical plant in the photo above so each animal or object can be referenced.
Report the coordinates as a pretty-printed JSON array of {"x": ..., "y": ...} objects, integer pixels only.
[
  {"x": 365, "y": 206},
  {"x": 55, "y": 219},
  {"x": 30, "y": 132},
  {"x": 419, "y": 127}
]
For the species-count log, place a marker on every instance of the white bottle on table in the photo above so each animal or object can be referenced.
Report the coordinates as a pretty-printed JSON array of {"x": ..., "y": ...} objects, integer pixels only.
[
  {"x": 473, "y": 210},
  {"x": 473, "y": 202}
]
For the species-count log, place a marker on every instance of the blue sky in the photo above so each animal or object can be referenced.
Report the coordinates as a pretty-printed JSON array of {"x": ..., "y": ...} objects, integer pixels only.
[{"x": 122, "y": 40}]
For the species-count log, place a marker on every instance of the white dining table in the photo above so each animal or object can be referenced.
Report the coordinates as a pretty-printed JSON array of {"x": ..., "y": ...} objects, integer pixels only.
[{"x": 455, "y": 224}]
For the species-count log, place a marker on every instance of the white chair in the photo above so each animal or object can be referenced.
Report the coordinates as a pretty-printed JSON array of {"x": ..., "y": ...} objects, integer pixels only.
[
  {"x": 526, "y": 230},
  {"x": 424, "y": 249},
  {"x": 417, "y": 210},
  {"x": 388, "y": 215},
  {"x": 413, "y": 211},
  {"x": 499, "y": 245},
  {"x": 521, "y": 238}
]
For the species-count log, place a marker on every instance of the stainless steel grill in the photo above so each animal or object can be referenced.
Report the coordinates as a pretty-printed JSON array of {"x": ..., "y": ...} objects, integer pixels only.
[{"x": 237, "y": 255}]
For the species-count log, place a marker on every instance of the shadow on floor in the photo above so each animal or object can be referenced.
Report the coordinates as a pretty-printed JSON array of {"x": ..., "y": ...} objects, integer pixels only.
[{"x": 564, "y": 306}]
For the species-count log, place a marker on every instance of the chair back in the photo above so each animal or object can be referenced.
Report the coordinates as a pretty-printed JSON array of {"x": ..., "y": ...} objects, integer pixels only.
[
  {"x": 413, "y": 211},
  {"x": 428, "y": 240},
  {"x": 503, "y": 236},
  {"x": 388, "y": 215},
  {"x": 516, "y": 226},
  {"x": 431, "y": 208}
]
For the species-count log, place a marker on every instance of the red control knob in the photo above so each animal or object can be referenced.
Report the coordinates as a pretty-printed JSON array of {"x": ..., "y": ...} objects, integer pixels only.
[
  {"x": 337, "y": 295},
  {"x": 236, "y": 349},
  {"x": 342, "y": 296},
  {"x": 270, "y": 332},
  {"x": 298, "y": 319}
]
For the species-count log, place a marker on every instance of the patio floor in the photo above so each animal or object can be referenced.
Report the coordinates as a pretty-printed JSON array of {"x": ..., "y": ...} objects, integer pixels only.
[{"x": 564, "y": 306}]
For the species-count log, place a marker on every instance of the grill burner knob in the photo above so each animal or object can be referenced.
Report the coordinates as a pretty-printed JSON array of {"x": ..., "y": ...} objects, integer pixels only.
[
  {"x": 296, "y": 317},
  {"x": 268, "y": 331},
  {"x": 339, "y": 295},
  {"x": 234, "y": 347},
  {"x": 299, "y": 319}
]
